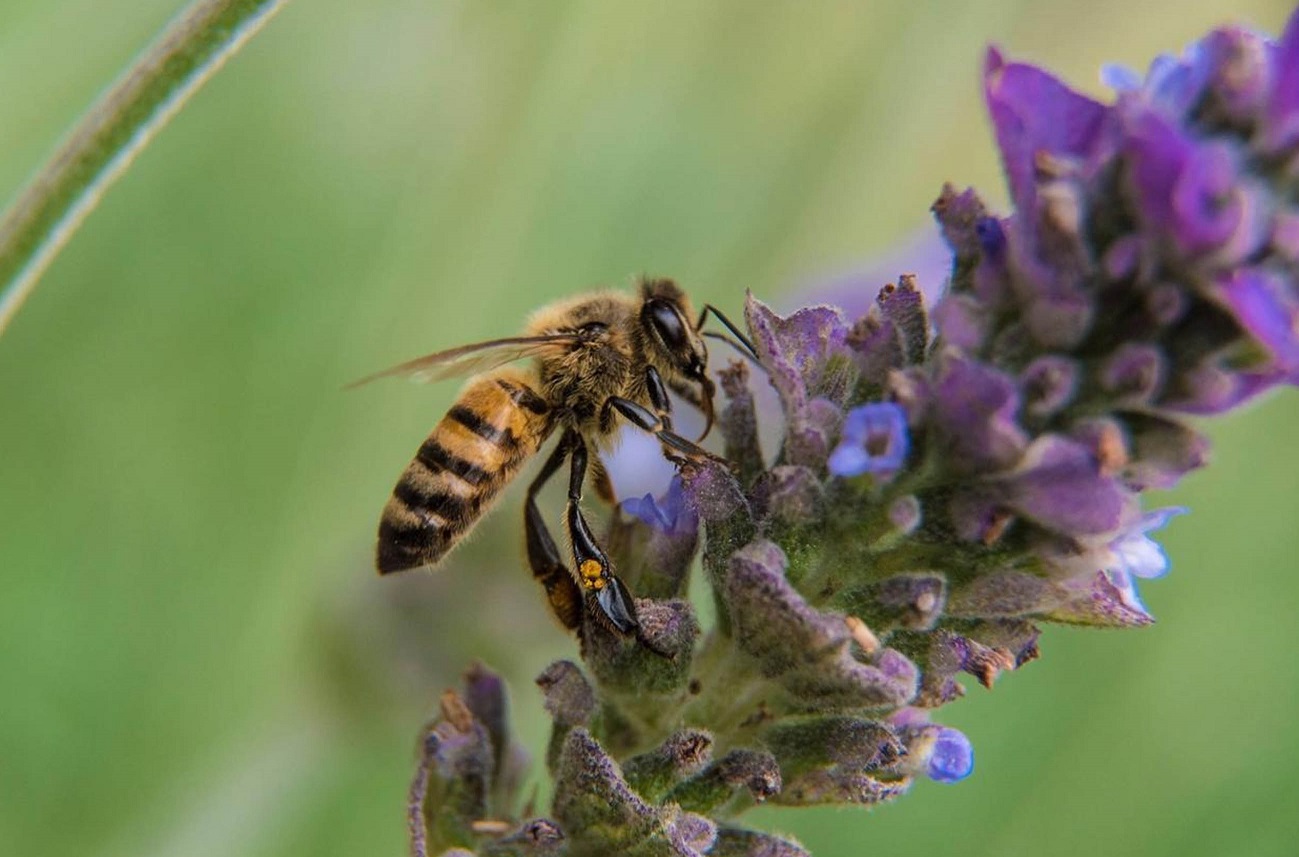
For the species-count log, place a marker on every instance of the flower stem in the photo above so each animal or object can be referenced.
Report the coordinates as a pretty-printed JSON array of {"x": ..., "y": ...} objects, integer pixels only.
[{"x": 103, "y": 144}]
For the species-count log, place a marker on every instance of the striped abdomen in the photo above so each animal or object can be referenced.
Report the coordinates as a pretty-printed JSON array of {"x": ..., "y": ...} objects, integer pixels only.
[{"x": 477, "y": 448}]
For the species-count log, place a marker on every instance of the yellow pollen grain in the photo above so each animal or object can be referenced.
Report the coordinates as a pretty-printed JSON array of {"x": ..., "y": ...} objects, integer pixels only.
[{"x": 592, "y": 570}]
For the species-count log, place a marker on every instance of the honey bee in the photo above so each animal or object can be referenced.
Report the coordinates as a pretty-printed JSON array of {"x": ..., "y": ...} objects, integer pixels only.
[{"x": 596, "y": 359}]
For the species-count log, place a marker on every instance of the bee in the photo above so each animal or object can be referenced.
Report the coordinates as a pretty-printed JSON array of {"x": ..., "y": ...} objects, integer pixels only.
[{"x": 595, "y": 360}]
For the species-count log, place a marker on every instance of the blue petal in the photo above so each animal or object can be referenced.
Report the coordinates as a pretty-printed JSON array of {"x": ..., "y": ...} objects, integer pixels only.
[
  {"x": 849, "y": 459},
  {"x": 879, "y": 425},
  {"x": 1119, "y": 77},
  {"x": 952, "y": 757}
]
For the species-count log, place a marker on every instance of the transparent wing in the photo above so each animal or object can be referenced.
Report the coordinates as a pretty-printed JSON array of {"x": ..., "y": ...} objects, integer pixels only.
[{"x": 472, "y": 359}]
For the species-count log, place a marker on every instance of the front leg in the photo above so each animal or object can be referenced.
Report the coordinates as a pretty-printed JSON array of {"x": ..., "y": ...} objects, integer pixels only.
[
  {"x": 701, "y": 399},
  {"x": 673, "y": 443}
]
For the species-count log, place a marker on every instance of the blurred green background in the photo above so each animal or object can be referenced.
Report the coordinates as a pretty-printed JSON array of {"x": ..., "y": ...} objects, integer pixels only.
[{"x": 195, "y": 656}]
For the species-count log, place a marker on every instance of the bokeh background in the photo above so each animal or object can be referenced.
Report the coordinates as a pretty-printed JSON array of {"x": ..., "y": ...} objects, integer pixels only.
[{"x": 195, "y": 656}]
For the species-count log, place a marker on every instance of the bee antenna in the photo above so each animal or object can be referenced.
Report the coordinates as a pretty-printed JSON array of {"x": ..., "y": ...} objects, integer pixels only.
[{"x": 729, "y": 325}]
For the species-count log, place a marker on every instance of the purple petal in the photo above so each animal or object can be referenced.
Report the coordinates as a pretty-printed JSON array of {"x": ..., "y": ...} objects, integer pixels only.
[
  {"x": 1061, "y": 486},
  {"x": 1184, "y": 190},
  {"x": 1034, "y": 112},
  {"x": 1175, "y": 84},
  {"x": 1281, "y": 121},
  {"x": 1264, "y": 305}
]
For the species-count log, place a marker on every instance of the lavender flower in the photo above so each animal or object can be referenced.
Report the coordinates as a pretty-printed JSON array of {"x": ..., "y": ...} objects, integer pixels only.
[{"x": 1149, "y": 270}]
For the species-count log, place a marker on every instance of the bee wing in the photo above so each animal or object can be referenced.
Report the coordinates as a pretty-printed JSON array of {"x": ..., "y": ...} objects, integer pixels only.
[{"x": 472, "y": 359}]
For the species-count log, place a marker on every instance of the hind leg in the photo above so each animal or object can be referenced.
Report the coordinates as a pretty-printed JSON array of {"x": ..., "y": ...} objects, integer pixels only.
[{"x": 543, "y": 557}]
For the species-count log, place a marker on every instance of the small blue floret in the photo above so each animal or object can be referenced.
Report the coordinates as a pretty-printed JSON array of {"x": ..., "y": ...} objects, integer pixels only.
[
  {"x": 952, "y": 759},
  {"x": 661, "y": 513},
  {"x": 874, "y": 440}
]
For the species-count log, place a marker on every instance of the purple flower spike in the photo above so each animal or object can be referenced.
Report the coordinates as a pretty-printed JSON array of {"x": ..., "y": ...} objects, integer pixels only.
[
  {"x": 1148, "y": 268},
  {"x": 874, "y": 440},
  {"x": 952, "y": 757}
]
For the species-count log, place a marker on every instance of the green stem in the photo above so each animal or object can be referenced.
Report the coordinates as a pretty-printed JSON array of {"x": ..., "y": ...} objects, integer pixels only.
[{"x": 103, "y": 144}]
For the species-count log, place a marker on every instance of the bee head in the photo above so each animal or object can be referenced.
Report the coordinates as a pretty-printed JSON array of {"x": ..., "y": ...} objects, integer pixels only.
[{"x": 666, "y": 316}]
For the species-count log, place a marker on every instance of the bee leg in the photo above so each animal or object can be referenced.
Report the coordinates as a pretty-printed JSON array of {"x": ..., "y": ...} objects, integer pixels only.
[
  {"x": 642, "y": 417},
  {"x": 606, "y": 592},
  {"x": 658, "y": 394},
  {"x": 543, "y": 557}
]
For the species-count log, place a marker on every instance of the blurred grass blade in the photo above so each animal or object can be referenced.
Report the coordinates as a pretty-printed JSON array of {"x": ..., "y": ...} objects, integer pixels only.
[{"x": 103, "y": 144}]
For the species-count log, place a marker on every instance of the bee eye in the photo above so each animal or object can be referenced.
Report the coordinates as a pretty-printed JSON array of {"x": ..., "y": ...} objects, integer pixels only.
[{"x": 667, "y": 324}]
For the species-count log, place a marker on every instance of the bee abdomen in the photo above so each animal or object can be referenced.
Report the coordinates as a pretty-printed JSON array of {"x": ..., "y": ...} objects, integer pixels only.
[{"x": 457, "y": 473}]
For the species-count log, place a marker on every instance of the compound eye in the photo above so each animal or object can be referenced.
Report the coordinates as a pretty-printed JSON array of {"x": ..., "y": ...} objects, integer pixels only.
[{"x": 667, "y": 323}]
